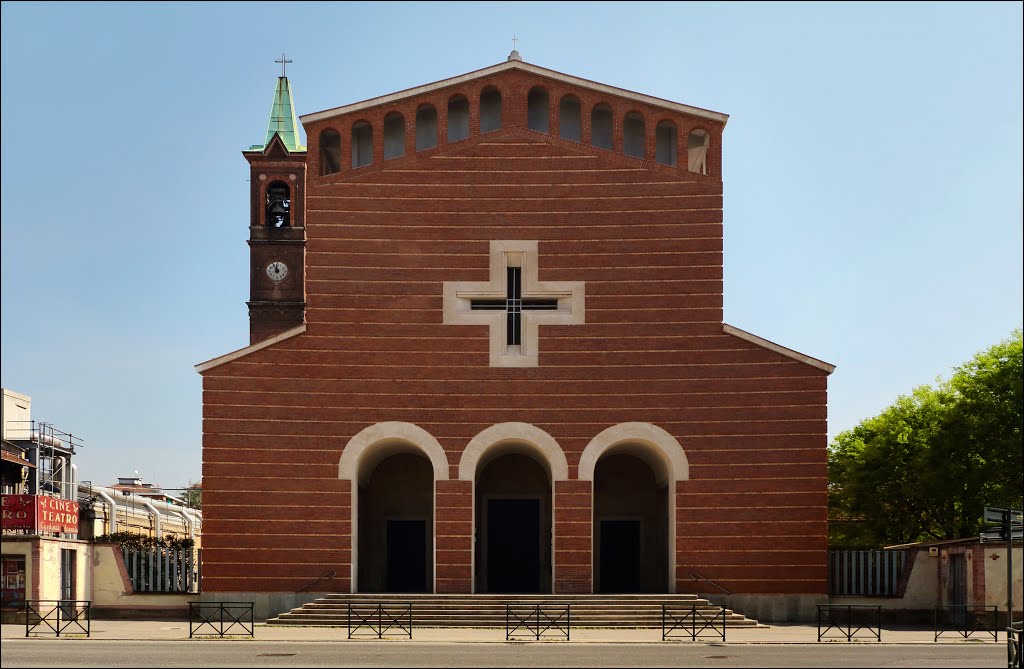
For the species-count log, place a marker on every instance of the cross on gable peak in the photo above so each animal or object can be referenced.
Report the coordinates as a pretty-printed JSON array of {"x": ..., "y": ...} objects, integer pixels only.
[{"x": 513, "y": 303}]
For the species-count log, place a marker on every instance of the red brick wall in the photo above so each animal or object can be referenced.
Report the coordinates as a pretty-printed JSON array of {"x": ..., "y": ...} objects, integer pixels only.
[
  {"x": 646, "y": 239},
  {"x": 454, "y": 536},
  {"x": 573, "y": 531}
]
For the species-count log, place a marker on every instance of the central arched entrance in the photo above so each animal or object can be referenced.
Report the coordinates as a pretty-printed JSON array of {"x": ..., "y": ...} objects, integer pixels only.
[
  {"x": 513, "y": 520},
  {"x": 514, "y": 467}
]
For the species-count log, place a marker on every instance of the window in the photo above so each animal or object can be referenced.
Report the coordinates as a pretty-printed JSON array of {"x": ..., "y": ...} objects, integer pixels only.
[
  {"x": 458, "y": 118},
  {"x": 279, "y": 205},
  {"x": 633, "y": 135},
  {"x": 697, "y": 151},
  {"x": 538, "y": 111},
  {"x": 394, "y": 135},
  {"x": 362, "y": 144},
  {"x": 569, "y": 126},
  {"x": 665, "y": 143},
  {"x": 330, "y": 152},
  {"x": 601, "y": 126},
  {"x": 490, "y": 110},
  {"x": 426, "y": 127}
]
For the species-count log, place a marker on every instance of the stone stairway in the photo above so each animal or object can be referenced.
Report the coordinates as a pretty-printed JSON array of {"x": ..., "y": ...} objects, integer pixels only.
[{"x": 632, "y": 611}]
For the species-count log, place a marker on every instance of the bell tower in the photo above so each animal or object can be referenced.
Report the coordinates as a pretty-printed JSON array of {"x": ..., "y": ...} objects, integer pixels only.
[{"x": 277, "y": 233}]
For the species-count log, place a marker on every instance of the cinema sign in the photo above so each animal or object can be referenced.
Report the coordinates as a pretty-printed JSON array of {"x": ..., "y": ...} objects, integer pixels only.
[{"x": 40, "y": 513}]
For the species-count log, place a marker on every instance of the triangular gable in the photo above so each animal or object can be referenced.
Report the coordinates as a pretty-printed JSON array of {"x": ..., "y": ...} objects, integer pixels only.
[
  {"x": 242, "y": 352},
  {"x": 517, "y": 65},
  {"x": 772, "y": 346}
]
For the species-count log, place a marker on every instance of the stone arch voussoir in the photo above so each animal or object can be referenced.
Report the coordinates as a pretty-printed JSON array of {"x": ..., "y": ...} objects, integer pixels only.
[
  {"x": 655, "y": 438},
  {"x": 503, "y": 433}
]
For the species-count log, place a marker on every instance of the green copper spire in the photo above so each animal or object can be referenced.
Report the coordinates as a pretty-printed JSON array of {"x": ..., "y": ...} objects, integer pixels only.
[{"x": 282, "y": 116}]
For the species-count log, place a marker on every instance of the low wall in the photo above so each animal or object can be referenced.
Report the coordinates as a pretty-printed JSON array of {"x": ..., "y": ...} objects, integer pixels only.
[{"x": 114, "y": 597}]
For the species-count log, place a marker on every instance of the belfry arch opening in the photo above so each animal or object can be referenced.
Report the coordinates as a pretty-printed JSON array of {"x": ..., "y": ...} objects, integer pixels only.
[
  {"x": 458, "y": 118},
  {"x": 395, "y": 520},
  {"x": 330, "y": 152},
  {"x": 538, "y": 110},
  {"x": 362, "y": 144},
  {"x": 601, "y": 126},
  {"x": 569, "y": 126},
  {"x": 426, "y": 127},
  {"x": 513, "y": 508},
  {"x": 490, "y": 110},
  {"x": 279, "y": 205},
  {"x": 633, "y": 139},
  {"x": 631, "y": 538}
]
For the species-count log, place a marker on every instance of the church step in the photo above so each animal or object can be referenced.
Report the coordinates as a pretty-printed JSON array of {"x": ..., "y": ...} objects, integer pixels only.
[{"x": 586, "y": 610}]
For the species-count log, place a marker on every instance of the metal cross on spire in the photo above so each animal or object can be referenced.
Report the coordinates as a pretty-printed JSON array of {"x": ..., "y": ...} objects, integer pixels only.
[
  {"x": 284, "y": 63},
  {"x": 514, "y": 40}
]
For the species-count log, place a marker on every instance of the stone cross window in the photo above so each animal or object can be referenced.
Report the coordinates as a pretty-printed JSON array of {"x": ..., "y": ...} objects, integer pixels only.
[{"x": 514, "y": 303}]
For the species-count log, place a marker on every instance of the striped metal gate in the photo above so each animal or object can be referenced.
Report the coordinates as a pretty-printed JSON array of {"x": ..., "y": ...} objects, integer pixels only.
[
  {"x": 868, "y": 573},
  {"x": 164, "y": 569}
]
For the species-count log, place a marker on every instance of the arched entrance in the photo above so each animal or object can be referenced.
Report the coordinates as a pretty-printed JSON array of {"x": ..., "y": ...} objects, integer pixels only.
[
  {"x": 392, "y": 468},
  {"x": 396, "y": 509},
  {"x": 514, "y": 467},
  {"x": 513, "y": 520},
  {"x": 634, "y": 468},
  {"x": 630, "y": 524}
]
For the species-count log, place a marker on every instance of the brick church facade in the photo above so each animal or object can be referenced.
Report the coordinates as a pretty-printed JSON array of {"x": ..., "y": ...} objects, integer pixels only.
[{"x": 488, "y": 355}]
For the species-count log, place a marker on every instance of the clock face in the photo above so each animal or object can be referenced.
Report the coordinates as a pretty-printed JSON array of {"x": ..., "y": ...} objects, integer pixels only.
[{"x": 277, "y": 271}]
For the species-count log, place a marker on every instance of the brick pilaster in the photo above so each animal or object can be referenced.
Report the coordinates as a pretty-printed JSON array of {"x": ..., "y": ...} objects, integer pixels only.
[
  {"x": 573, "y": 542},
  {"x": 453, "y": 532}
]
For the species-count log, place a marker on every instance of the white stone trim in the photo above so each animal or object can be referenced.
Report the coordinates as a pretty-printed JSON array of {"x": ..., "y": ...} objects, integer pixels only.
[
  {"x": 519, "y": 65},
  {"x": 663, "y": 444},
  {"x": 390, "y": 433},
  {"x": 242, "y": 352},
  {"x": 666, "y": 448},
  {"x": 387, "y": 436},
  {"x": 514, "y": 253},
  {"x": 772, "y": 346},
  {"x": 503, "y": 433}
]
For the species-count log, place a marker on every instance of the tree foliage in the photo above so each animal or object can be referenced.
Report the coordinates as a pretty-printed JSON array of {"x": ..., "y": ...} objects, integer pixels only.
[
  {"x": 137, "y": 541},
  {"x": 926, "y": 467},
  {"x": 193, "y": 495}
]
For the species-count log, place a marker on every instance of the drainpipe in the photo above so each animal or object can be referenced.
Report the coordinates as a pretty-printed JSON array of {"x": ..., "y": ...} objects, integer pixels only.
[
  {"x": 156, "y": 517},
  {"x": 112, "y": 516}
]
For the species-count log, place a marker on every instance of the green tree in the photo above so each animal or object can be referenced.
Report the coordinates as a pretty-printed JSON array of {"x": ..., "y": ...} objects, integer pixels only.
[
  {"x": 927, "y": 465},
  {"x": 193, "y": 495}
]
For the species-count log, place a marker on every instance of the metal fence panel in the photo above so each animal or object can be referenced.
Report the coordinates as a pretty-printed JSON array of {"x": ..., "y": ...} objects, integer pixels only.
[
  {"x": 866, "y": 573},
  {"x": 163, "y": 569}
]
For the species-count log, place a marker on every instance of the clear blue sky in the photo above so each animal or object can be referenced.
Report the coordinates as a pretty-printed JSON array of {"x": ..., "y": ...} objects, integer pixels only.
[{"x": 873, "y": 171}]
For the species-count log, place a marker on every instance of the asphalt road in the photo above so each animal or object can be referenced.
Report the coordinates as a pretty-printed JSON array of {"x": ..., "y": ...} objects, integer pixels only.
[{"x": 224, "y": 653}]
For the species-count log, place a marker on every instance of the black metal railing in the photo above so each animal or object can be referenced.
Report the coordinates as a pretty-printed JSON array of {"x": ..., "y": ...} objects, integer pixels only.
[
  {"x": 326, "y": 576},
  {"x": 58, "y": 616},
  {"x": 220, "y": 619},
  {"x": 849, "y": 621},
  {"x": 380, "y": 620},
  {"x": 680, "y": 622},
  {"x": 1014, "y": 652},
  {"x": 966, "y": 621},
  {"x": 697, "y": 576},
  {"x": 537, "y": 621}
]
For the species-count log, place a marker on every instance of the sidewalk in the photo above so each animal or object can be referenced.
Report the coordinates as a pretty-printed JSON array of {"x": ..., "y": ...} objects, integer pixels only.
[{"x": 173, "y": 630}]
